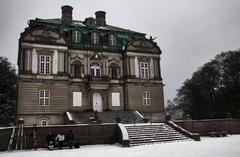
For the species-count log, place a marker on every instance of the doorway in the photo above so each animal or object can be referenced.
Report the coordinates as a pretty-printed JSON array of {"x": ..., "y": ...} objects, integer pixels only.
[{"x": 97, "y": 102}]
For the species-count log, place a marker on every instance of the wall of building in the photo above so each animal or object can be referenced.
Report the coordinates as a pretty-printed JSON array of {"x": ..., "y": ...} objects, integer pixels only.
[
  {"x": 135, "y": 97},
  {"x": 53, "y": 119},
  {"x": 28, "y": 97}
]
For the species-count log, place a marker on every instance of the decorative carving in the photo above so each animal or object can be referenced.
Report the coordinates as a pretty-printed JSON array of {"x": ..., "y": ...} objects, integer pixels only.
[
  {"x": 113, "y": 60},
  {"x": 76, "y": 57},
  {"x": 45, "y": 36}
]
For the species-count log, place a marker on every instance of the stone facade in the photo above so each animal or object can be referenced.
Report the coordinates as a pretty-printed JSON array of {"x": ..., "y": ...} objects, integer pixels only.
[{"x": 67, "y": 65}]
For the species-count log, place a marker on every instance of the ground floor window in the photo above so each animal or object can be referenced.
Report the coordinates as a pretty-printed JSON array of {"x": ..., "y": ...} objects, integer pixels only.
[
  {"x": 77, "y": 99},
  {"x": 146, "y": 99},
  {"x": 115, "y": 99}
]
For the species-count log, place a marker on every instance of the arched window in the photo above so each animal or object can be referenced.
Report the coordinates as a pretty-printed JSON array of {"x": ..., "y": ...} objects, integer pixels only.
[
  {"x": 114, "y": 70},
  {"x": 76, "y": 69},
  {"x": 95, "y": 38},
  {"x": 95, "y": 70}
]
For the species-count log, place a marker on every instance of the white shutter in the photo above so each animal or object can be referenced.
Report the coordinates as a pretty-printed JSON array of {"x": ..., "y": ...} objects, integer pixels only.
[
  {"x": 115, "y": 99},
  {"x": 77, "y": 99}
]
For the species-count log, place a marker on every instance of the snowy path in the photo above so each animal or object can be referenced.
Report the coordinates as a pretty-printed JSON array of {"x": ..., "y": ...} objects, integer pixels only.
[{"x": 208, "y": 147}]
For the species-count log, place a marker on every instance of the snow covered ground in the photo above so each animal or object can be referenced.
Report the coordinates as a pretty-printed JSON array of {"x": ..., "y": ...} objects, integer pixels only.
[{"x": 208, "y": 147}]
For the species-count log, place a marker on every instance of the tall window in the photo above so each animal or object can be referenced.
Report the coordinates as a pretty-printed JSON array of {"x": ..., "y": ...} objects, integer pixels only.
[
  {"x": 94, "y": 38},
  {"x": 45, "y": 64},
  {"x": 44, "y": 122},
  {"x": 44, "y": 97},
  {"x": 112, "y": 39},
  {"x": 76, "y": 69},
  {"x": 146, "y": 99},
  {"x": 114, "y": 70},
  {"x": 144, "y": 70},
  {"x": 95, "y": 70},
  {"x": 76, "y": 36}
]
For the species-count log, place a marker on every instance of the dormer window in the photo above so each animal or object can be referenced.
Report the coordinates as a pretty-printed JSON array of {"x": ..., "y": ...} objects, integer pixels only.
[
  {"x": 76, "y": 36},
  {"x": 95, "y": 38},
  {"x": 112, "y": 39}
]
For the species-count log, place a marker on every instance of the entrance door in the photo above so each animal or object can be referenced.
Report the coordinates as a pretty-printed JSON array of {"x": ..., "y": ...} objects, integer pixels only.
[{"x": 97, "y": 102}]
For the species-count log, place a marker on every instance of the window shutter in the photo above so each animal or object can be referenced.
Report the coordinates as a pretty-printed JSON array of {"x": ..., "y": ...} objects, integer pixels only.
[
  {"x": 115, "y": 99},
  {"x": 77, "y": 99}
]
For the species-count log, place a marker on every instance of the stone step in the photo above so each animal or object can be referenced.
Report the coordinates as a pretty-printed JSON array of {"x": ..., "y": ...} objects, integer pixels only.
[
  {"x": 153, "y": 141},
  {"x": 145, "y": 143},
  {"x": 143, "y": 134},
  {"x": 155, "y": 135},
  {"x": 158, "y": 139}
]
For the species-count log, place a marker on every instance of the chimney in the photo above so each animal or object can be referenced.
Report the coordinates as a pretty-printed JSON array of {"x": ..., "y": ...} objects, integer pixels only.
[
  {"x": 100, "y": 18},
  {"x": 67, "y": 13}
]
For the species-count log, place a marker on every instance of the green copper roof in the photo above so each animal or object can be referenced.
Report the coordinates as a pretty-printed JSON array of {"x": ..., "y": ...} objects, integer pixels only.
[
  {"x": 81, "y": 24},
  {"x": 123, "y": 36}
]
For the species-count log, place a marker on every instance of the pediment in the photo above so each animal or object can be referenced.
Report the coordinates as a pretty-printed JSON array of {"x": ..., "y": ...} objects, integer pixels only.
[
  {"x": 43, "y": 36},
  {"x": 143, "y": 45}
]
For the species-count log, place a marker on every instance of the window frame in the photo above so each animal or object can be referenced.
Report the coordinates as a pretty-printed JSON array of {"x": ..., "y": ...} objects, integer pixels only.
[
  {"x": 44, "y": 98},
  {"x": 44, "y": 120},
  {"x": 94, "y": 38},
  {"x": 144, "y": 70},
  {"x": 146, "y": 98},
  {"x": 76, "y": 36},
  {"x": 45, "y": 64},
  {"x": 112, "y": 39},
  {"x": 95, "y": 70}
]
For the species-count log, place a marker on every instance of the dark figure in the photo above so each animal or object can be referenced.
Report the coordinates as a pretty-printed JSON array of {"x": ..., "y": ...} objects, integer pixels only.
[
  {"x": 50, "y": 140},
  {"x": 60, "y": 139},
  {"x": 70, "y": 139}
]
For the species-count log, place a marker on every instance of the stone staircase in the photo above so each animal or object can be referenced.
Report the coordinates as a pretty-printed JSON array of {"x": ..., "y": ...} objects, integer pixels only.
[{"x": 151, "y": 133}]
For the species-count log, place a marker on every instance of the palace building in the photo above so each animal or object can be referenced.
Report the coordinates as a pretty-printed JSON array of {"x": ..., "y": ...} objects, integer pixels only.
[{"x": 69, "y": 67}]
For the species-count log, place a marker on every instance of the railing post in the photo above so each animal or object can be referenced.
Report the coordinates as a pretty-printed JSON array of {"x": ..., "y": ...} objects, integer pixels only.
[
  {"x": 150, "y": 118},
  {"x": 134, "y": 119}
]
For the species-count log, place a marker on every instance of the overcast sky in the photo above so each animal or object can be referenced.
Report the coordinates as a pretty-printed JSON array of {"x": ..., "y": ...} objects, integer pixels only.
[{"x": 189, "y": 32}]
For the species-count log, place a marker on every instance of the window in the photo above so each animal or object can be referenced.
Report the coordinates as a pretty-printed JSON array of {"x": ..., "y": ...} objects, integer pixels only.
[
  {"x": 146, "y": 99},
  {"x": 76, "y": 36},
  {"x": 112, "y": 39},
  {"x": 45, "y": 64},
  {"x": 115, "y": 99},
  {"x": 77, "y": 99},
  {"x": 44, "y": 122},
  {"x": 94, "y": 38},
  {"x": 76, "y": 68},
  {"x": 114, "y": 70},
  {"x": 95, "y": 70},
  {"x": 144, "y": 70},
  {"x": 44, "y": 97}
]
